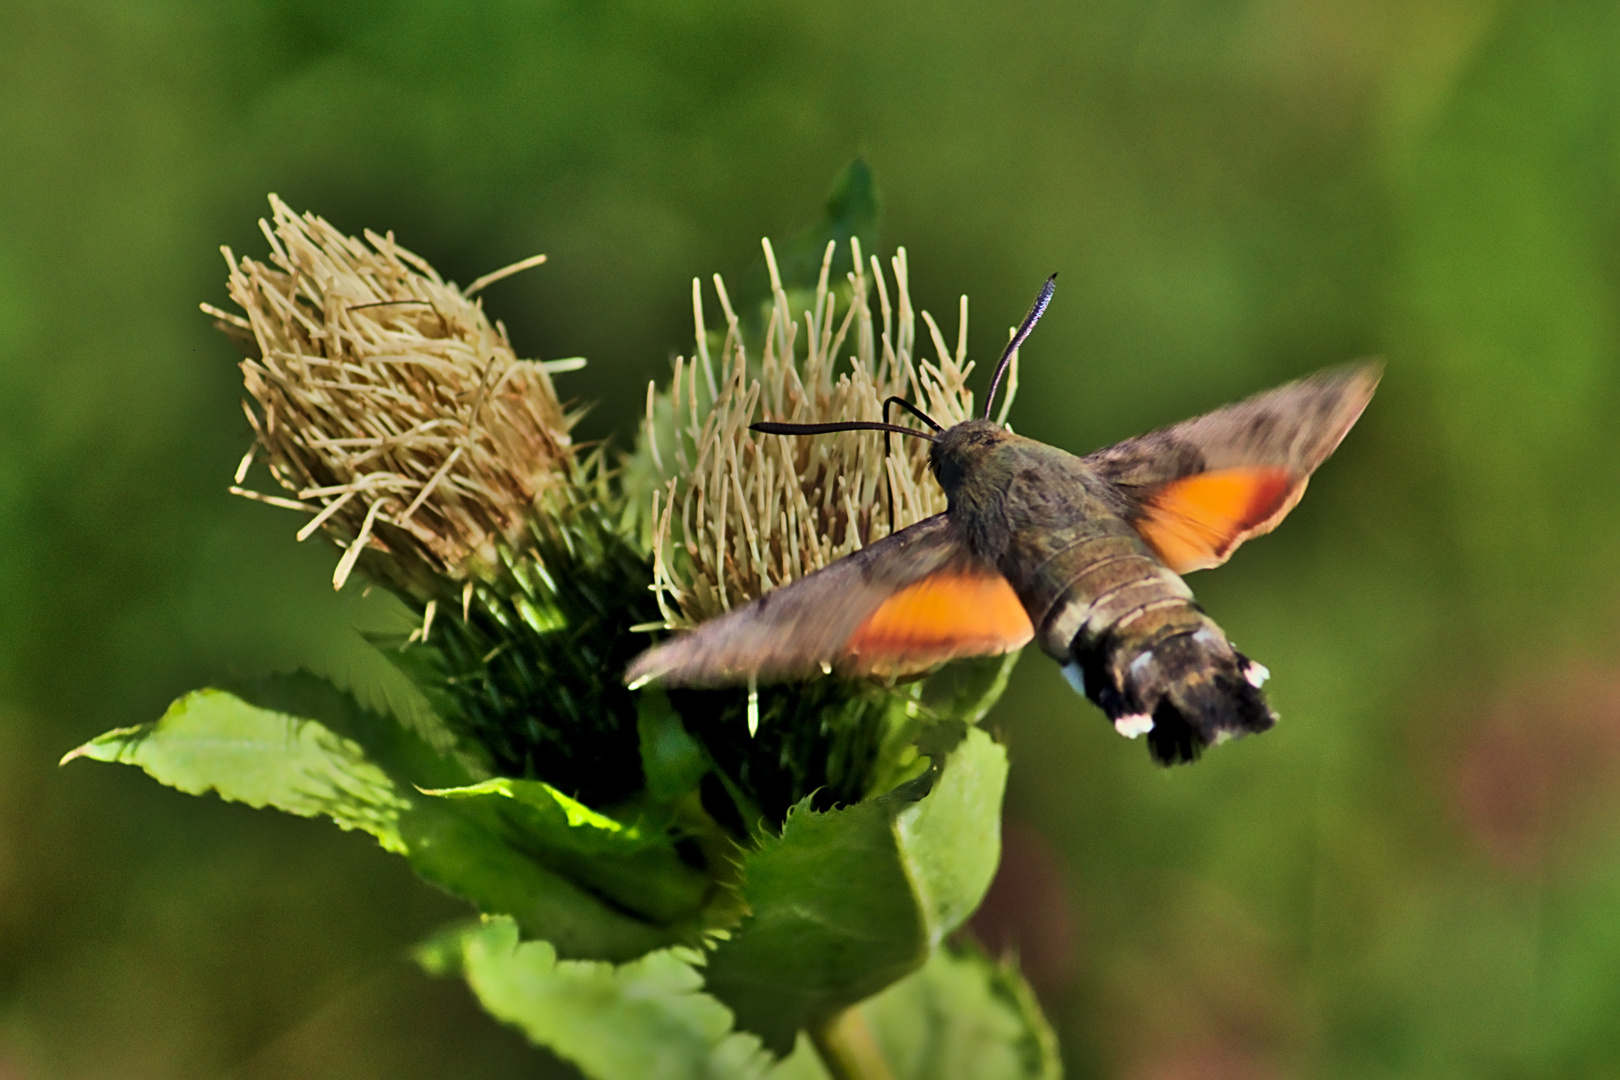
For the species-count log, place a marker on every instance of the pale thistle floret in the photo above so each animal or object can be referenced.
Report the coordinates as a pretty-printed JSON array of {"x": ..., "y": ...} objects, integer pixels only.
[
  {"x": 388, "y": 404},
  {"x": 742, "y": 512}
]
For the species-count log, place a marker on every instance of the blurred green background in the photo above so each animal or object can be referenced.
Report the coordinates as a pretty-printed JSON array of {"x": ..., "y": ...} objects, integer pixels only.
[{"x": 1416, "y": 875}]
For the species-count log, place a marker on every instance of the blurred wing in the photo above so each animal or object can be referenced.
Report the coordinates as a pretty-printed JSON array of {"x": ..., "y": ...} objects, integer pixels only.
[
  {"x": 1200, "y": 488},
  {"x": 899, "y": 606}
]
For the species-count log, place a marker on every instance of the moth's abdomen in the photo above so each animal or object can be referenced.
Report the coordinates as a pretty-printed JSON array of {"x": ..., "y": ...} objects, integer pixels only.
[
  {"x": 1184, "y": 689},
  {"x": 1095, "y": 584},
  {"x": 1132, "y": 640}
]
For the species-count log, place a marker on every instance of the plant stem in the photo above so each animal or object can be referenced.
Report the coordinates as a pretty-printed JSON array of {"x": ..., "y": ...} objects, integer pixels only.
[{"x": 846, "y": 1047}]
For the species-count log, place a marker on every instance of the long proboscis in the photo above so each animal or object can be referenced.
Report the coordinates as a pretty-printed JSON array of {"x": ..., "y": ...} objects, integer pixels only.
[
  {"x": 770, "y": 427},
  {"x": 1024, "y": 329}
]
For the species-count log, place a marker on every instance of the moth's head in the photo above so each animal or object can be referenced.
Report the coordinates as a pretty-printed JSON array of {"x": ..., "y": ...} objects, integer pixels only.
[
  {"x": 956, "y": 452},
  {"x": 959, "y": 452}
]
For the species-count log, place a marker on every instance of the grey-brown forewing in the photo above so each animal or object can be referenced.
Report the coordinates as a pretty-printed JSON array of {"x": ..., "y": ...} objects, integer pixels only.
[{"x": 896, "y": 607}]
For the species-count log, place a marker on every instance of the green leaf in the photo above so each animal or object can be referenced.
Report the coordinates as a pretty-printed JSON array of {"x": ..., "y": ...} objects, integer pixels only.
[
  {"x": 963, "y": 1017},
  {"x": 960, "y": 1017},
  {"x": 852, "y": 210},
  {"x": 960, "y": 693},
  {"x": 548, "y": 812},
  {"x": 214, "y": 740},
  {"x": 531, "y": 675},
  {"x": 966, "y": 689},
  {"x": 633, "y": 865},
  {"x": 672, "y": 761},
  {"x": 440, "y": 953},
  {"x": 646, "y": 1020},
  {"x": 386, "y": 739},
  {"x": 848, "y": 901},
  {"x": 470, "y": 855}
]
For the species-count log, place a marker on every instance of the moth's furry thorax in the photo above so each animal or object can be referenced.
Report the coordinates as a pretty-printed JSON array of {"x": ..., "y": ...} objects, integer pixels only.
[{"x": 958, "y": 453}]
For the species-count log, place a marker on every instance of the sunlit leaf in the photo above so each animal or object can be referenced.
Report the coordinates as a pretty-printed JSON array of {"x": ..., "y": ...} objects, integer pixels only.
[
  {"x": 214, "y": 740},
  {"x": 959, "y": 1017},
  {"x": 646, "y": 1020},
  {"x": 635, "y": 865},
  {"x": 388, "y": 740}
]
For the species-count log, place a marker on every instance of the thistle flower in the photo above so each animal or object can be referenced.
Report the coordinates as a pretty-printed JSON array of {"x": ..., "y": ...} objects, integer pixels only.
[
  {"x": 388, "y": 404},
  {"x": 739, "y": 513},
  {"x": 398, "y": 415}
]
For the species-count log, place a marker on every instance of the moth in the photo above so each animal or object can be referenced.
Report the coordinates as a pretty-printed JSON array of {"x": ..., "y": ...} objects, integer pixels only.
[{"x": 1083, "y": 555}]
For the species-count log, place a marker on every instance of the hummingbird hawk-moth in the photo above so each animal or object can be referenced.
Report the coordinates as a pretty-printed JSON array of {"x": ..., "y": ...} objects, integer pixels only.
[{"x": 1083, "y": 555}]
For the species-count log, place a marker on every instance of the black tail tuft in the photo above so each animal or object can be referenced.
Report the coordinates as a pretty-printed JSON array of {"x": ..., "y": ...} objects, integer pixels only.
[
  {"x": 1198, "y": 690},
  {"x": 1204, "y": 712}
]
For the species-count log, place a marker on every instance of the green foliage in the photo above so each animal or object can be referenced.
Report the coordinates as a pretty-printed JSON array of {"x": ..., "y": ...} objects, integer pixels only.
[
  {"x": 525, "y": 679},
  {"x": 634, "y": 866},
  {"x": 963, "y": 1017},
  {"x": 959, "y": 1017},
  {"x": 214, "y": 740},
  {"x": 646, "y": 1019},
  {"x": 853, "y": 210},
  {"x": 847, "y": 901},
  {"x": 824, "y": 741},
  {"x": 841, "y": 904},
  {"x": 755, "y": 862},
  {"x": 672, "y": 762}
]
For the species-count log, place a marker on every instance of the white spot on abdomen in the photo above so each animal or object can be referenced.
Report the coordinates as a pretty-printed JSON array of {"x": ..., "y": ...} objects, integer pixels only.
[{"x": 1133, "y": 725}]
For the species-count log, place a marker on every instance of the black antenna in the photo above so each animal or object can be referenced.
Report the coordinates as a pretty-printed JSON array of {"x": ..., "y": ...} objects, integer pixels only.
[
  {"x": 888, "y": 443},
  {"x": 769, "y": 427},
  {"x": 910, "y": 408},
  {"x": 1024, "y": 328}
]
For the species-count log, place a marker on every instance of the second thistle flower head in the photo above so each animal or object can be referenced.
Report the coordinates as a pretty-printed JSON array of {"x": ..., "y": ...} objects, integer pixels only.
[{"x": 737, "y": 513}]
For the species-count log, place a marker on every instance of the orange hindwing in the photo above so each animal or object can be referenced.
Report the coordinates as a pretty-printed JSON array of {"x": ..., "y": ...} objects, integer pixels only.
[
  {"x": 951, "y": 613},
  {"x": 1195, "y": 522}
]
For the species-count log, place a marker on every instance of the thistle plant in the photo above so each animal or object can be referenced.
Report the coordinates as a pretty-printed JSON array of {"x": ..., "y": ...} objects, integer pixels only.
[{"x": 756, "y": 882}]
